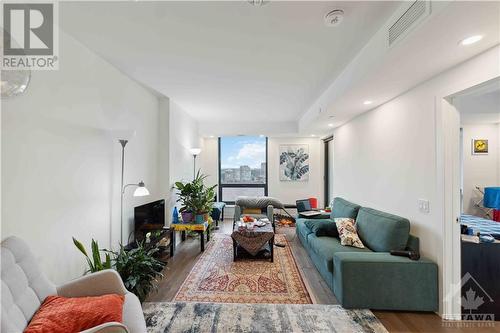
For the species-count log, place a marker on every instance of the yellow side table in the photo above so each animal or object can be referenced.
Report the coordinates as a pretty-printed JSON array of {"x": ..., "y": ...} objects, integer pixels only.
[{"x": 201, "y": 228}]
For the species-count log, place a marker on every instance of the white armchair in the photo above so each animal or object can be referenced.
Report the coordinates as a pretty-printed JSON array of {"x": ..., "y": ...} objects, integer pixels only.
[{"x": 24, "y": 288}]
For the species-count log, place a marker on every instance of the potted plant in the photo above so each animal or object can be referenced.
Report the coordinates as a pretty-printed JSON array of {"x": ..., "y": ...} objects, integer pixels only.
[
  {"x": 196, "y": 198},
  {"x": 138, "y": 267},
  {"x": 185, "y": 193},
  {"x": 139, "y": 270}
]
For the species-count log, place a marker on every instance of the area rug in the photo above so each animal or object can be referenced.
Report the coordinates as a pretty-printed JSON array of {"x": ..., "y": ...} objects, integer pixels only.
[
  {"x": 217, "y": 278},
  {"x": 213, "y": 317}
]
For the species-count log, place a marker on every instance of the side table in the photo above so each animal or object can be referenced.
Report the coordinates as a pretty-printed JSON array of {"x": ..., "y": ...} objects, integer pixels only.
[{"x": 200, "y": 228}]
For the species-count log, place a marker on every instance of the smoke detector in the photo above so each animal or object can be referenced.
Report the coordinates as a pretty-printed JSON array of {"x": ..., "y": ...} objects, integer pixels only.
[
  {"x": 258, "y": 3},
  {"x": 334, "y": 18}
]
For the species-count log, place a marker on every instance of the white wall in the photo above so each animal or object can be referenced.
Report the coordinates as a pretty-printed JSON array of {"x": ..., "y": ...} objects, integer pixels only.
[
  {"x": 183, "y": 135},
  {"x": 387, "y": 158},
  {"x": 287, "y": 192},
  {"x": 209, "y": 161},
  {"x": 479, "y": 170},
  {"x": 60, "y": 164}
]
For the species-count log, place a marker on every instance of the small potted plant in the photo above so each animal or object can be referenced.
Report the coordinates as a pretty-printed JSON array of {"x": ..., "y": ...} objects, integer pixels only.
[{"x": 185, "y": 193}]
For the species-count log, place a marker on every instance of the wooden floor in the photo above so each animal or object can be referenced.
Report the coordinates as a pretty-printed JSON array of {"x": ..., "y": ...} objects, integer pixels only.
[{"x": 188, "y": 252}]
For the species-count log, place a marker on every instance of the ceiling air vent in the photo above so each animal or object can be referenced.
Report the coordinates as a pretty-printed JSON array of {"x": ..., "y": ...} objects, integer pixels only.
[{"x": 413, "y": 16}]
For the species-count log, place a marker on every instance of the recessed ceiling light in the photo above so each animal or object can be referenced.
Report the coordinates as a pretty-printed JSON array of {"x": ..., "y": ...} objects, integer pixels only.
[
  {"x": 367, "y": 102},
  {"x": 211, "y": 136},
  {"x": 330, "y": 125},
  {"x": 313, "y": 135},
  {"x": 471, "y": 40}
]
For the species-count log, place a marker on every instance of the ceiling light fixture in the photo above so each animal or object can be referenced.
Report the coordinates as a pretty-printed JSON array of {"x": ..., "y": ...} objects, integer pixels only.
[
  {"x": 330, "y": 125},
  {"x": 471, "y": 40},
  {"x": 367, "y": 102},
  {"x": 334, "y": 18},
  {"x": 313, "y": 135}
]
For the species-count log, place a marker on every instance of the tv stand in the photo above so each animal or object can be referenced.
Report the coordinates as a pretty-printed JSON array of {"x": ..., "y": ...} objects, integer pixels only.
[{"x": 159, "y": 239}]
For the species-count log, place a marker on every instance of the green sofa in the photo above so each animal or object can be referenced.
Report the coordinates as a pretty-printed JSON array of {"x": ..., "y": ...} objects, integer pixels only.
[{"x": 371, "y": 278}]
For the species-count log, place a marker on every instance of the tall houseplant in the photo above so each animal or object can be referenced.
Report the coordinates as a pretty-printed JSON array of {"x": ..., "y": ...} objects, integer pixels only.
[{"x": 195, "y": 197}]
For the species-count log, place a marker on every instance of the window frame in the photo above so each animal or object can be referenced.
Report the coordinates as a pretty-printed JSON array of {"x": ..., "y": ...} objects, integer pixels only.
[{"x": 221, "y": 186}]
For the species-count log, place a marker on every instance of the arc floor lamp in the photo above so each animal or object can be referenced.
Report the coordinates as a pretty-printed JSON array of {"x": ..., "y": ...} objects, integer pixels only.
[{"x": 140, "y": 190}]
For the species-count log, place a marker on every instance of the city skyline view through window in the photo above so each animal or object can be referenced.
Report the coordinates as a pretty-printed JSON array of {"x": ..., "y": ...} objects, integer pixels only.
[{"x": 243, "y": 160}]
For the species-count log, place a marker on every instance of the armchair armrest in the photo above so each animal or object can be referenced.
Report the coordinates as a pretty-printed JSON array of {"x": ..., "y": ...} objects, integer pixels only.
[
  {"x": 111, "y": 327},
  {"x": 378, "y": 280},
  {"x": 95, "y": 284},
  {"x": 270, "y": 213},
  {"x": 237, "y": 212}
]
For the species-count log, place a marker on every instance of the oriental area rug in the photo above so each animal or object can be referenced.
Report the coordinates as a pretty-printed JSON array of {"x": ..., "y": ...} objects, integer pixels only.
[{"x": 217, "y": 278}]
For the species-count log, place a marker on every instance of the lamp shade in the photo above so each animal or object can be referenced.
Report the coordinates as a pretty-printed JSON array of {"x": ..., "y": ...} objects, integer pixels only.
[
  {"x": 492, "y": 197},
  {"x": 195, "y": 151},
  {"x": 141, "y": 190}
]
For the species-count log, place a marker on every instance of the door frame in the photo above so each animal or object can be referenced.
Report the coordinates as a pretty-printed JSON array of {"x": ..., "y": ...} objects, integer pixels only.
[
  {"x": 449, "y": 173},
  {"x": 448, "y": 166},
  {"x": 326, "y": 169}
]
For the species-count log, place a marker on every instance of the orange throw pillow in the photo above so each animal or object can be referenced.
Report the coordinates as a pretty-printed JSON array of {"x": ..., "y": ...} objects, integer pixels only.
[{"x": 66, "y": 315}]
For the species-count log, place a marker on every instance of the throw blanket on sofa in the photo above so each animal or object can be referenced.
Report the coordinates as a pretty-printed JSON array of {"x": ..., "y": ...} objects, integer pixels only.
[{"x": 258, "y": 202}]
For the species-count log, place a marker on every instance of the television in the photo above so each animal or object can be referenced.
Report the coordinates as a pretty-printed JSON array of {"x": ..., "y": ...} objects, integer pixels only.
[{"x": 149, "y": 217}]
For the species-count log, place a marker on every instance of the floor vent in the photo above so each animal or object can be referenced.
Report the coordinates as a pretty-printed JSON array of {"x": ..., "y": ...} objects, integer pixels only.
[{"x": 410, "y": 19}]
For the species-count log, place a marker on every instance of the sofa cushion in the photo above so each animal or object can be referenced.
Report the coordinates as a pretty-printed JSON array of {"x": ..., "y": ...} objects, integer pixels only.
[
  {"x": 382, "y": 232},
  {"x": 344, "y": 208},
  {"x": 326, "y": 247},
  {"x": 302, "y": 229}
]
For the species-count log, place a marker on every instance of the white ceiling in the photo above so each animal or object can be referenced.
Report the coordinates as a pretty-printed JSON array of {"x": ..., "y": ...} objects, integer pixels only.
[
  {"x": 380, "y": 73},
  {"x": 228, "y": 60}
]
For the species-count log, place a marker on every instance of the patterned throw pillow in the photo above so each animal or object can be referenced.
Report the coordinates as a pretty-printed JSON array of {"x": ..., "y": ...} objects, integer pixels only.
[{"x": 347, "y": 232}]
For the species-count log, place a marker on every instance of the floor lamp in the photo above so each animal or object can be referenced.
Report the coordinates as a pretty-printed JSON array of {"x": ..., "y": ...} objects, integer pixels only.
[
  {"x": 195, "y": 152},
  {"x": 140, "y": 190}
]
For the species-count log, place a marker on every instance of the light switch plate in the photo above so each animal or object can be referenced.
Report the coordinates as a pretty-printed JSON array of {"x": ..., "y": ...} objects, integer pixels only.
[{"x": 423, "y": 206}]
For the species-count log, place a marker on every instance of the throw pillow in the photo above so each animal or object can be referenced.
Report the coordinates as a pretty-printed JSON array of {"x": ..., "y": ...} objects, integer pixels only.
[
  {"x": 347, "y": 232},
  {"x": 313, "y": 224},
  {"x": 53, "y": 314},
  {"x": 327, "y": 229},
  {"x": 252, "y": 211}
]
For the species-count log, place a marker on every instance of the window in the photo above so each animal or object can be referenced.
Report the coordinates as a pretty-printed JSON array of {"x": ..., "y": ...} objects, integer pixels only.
[{"x": 242, "y": 167}]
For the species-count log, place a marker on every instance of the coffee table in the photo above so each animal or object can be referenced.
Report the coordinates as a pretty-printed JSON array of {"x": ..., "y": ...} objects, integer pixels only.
[{"x": 253, "y": 239}]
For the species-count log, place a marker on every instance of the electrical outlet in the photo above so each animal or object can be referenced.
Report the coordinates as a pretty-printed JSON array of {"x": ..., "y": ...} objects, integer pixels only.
[{"x": 423, "y": 206}]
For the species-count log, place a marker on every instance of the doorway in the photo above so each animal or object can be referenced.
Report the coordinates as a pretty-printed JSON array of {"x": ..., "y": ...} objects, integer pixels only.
[
  {"x": 472, "y": 166},
  {"x": 328, "y": 170}
]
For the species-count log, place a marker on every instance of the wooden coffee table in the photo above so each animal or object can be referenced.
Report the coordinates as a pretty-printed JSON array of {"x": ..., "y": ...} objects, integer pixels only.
[{"x": 253, "y": 240}]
